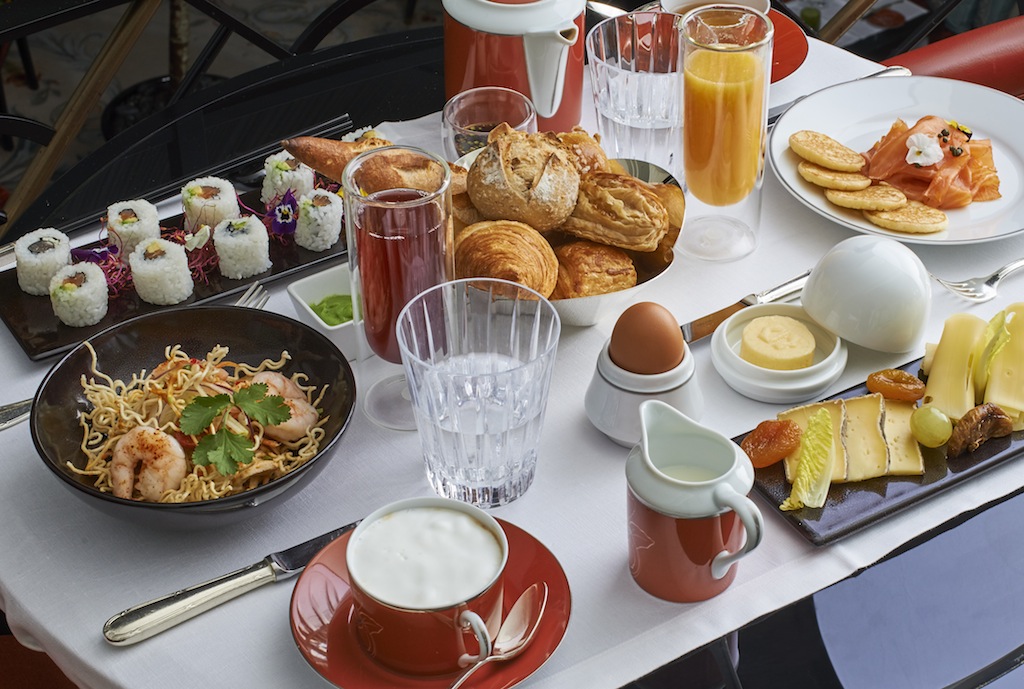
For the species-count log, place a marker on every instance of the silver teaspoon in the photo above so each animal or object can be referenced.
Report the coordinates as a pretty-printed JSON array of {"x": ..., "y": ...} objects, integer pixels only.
[{"x": 516, "y": 631}]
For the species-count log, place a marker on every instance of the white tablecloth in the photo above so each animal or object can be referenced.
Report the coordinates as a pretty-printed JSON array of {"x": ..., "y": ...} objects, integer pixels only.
[{"x": 65, "y": 568}]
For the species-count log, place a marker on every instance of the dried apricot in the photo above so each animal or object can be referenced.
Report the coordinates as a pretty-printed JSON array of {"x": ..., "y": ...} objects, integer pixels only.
[
  {"x": 771, "y": 442},
  {"x": 896, "y": 384}
]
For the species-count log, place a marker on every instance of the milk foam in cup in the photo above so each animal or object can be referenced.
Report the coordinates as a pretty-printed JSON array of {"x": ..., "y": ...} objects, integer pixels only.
[
  {"x": 427, "y": 584},
  {"x": 423, "y": 558}
]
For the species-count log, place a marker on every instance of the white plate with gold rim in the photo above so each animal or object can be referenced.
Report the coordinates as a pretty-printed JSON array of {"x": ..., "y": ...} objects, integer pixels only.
[{"x": 859, "y": 113}]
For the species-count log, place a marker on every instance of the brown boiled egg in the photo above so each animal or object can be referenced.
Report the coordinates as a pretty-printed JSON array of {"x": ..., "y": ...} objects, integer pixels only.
[{"x": 646, "y": 340}]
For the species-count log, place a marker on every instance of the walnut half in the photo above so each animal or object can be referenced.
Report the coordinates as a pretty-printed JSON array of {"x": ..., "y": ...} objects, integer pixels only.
[{"x": 978, "y": 425}]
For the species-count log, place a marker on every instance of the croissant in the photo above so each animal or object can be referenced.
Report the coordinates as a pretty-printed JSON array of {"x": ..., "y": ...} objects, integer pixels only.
[
  {"x": 587, "y": 268},
  {"x": 619, "y": 210},
  {"x": 524, "y": 177},
  {"x": 507, "y": 250}
]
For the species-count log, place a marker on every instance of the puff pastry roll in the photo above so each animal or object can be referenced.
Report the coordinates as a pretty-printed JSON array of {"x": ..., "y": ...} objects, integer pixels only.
[
  {"x": 507, "y": 250},
  {"x": 587, "y": 268},
  {"x": 524, "y": 177},
  {"x": 618, "y": 210},
  {"x": 653, "y": 262}
]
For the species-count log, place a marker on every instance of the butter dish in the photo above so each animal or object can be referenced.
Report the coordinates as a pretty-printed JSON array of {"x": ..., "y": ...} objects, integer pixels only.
[{"x": 770, "y": 385}]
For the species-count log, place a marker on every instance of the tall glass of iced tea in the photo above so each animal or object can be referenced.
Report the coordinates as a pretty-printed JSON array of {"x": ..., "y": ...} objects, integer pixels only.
[{"x": 399, "y": 230}]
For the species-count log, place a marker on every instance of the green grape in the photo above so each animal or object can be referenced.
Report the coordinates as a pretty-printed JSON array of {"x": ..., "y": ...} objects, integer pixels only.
[{"x": 930, "y": 426}]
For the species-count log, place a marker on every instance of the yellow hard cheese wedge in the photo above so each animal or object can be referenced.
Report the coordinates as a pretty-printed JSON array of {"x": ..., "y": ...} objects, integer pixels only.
[
  {"x": 905, "y": 458},
  {"x": 1006, "y": 372},
  {"x": 867, "y": 455},
  {"x": 950, "y": 384},
  {"x": 780, "y": 343}
]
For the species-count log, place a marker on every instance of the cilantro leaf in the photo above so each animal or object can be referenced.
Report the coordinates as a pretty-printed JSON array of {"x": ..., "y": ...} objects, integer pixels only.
[
  {"x": 200, "y": 413},
  {"x": 268, "y": 410},
  {"x": 223, "y": 449}
]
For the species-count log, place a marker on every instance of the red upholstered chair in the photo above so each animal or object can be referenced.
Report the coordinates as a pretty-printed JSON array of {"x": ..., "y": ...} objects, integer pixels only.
[{"x": 991, "y": 55}]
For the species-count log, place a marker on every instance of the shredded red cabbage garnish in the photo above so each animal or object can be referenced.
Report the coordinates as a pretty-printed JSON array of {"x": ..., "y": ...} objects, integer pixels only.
[{"x": 202, "y": 260}]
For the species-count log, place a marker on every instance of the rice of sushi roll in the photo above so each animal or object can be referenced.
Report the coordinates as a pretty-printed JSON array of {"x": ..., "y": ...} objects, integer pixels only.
[
  {"x": 78, "y": 294},
  {"x": 284, "y": 172},
  {"x": 319, "y": 223},
  {"x": 130, "y": 222},
  {"x": 208, "y": 201},
  {"x": 243, "y": 247},
  {"x": 39, "y": 255},
  {"x": 160, "y": 272}
]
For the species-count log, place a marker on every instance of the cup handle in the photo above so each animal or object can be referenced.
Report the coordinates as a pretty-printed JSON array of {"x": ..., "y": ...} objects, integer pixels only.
[
  {"x": 753, "y": 523},
  {"x": 468, "y": 618}
]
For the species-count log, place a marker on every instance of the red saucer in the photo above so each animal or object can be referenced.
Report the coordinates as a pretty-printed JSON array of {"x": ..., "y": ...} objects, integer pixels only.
[
  {"x": 322, "y": 604},
  {"x": 790, "y": 48}
]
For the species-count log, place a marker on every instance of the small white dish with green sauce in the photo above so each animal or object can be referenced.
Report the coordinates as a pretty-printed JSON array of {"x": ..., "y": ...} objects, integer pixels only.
[{"x": 329, "y": 292}]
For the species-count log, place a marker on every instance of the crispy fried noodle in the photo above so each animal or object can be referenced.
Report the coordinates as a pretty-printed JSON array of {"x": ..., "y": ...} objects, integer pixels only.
[{"x": 136, "y": 448}]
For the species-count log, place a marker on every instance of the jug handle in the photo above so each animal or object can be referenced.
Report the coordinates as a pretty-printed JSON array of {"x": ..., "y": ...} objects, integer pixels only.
[
  {"x": 753, "y": 524},
  {"x": 547, "y": 82}
]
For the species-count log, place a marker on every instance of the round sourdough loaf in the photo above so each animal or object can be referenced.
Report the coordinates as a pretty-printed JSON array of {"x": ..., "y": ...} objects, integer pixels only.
[{"x": 524, "y": 177}]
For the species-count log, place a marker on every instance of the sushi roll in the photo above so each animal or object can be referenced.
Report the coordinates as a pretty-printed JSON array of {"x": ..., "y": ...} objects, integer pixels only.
[
  {"x": 130, "y": 222},
  {"x": 160, "y": 272},
  {"x": 243, "y": 247},
  {"x": 319, "y": 223},
  {"x": 39, "y": 255},
  {"x": 284, "y": 172},
  {"x": 208, "y": 201},
  {"x": 78, "y": 294}
]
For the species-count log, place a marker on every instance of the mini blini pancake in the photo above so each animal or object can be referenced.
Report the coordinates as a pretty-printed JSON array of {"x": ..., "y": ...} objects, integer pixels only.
[
  {"x": 832, "y": 179},
  {"x": 825, "y": 151},
  {"x": 914, "y": 218},
  {"x": 879, "y": 197}
]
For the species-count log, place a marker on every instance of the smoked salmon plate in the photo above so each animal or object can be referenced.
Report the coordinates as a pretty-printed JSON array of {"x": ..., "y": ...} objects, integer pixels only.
[{"x": 953, "y": 148}]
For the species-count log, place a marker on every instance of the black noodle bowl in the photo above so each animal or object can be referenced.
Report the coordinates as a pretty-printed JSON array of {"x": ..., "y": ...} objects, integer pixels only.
[{"x": 137, "y": 344}]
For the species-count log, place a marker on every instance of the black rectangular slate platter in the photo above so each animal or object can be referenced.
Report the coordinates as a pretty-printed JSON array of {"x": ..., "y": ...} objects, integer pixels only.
[
  {"x": 851, "y": 507},
  {"x": 40, "y": 334}
]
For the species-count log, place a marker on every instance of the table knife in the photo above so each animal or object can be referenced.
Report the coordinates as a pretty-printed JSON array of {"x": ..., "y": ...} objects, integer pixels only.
[
  {"x": 705, "y": 325},
  {"x": 148, "y": 619}
]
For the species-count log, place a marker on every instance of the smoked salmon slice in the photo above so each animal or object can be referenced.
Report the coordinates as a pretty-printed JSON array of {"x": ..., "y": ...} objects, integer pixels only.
[{"x": 965, "y": 173}]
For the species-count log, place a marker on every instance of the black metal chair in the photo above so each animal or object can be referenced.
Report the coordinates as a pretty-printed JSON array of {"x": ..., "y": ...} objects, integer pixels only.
[{"x": 228, "y": 129}]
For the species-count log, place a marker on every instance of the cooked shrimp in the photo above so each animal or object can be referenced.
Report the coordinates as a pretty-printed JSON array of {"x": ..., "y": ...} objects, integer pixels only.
[
  {"x": 279, "y": 384},
  {"x": 304, "y": 415},
  {"x": 149, "y": 460}
]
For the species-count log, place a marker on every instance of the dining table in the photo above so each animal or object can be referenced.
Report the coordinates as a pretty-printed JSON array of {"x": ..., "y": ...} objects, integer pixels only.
[{"x": 65, "y": 568}]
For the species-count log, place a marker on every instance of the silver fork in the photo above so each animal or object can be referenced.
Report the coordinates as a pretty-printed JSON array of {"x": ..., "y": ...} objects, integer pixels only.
[
  {"x": 983, "y": 288},
  {"x": 255, "y": 297}
]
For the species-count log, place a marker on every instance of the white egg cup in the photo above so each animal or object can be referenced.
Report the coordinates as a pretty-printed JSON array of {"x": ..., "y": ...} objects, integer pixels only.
[{"x": 614, "y": 396}]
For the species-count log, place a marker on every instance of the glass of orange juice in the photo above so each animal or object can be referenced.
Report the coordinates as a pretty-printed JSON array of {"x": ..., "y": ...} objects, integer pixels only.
[{"x": 727, "y": 57}]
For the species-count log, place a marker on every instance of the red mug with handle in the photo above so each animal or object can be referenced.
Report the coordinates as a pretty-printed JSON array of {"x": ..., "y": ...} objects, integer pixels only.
[{"x": 534, "y": 47}]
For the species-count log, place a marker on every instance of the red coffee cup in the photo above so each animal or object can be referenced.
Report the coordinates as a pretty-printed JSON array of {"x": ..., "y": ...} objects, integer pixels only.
[
  {"x": 426, "y": 577},
  {"x": 687, "y": 507}
]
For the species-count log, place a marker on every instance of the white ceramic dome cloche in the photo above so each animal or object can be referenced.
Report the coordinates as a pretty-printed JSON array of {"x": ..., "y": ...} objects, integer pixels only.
[{"x": 871, "y": 291}]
